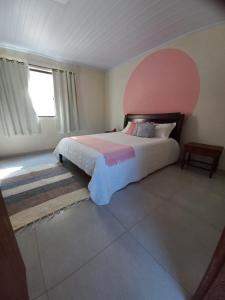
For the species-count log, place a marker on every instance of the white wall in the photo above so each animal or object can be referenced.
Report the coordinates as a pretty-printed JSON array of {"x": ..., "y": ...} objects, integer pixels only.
[
  {"x": 207, "y": 124},
  {"x": 91, "y": 106},
  {"x": 100, "y": 97}
]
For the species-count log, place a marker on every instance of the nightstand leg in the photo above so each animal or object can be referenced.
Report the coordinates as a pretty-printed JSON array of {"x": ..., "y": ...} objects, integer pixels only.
[
  {"x": 211, "y": 173},
  {"x": 189, "y": 158},
  {"x": 216, "y": 163},
  {"x": 183, "y": 159},
  {"x": 214, "y": 166}
]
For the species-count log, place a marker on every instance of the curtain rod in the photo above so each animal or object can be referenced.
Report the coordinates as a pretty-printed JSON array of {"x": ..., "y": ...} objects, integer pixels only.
[
  {"x": 37, "y": 66},
  {"x": 41, "y": 67},
  {"x": 13, "y": 60},
  {"x": 49, "y": 68}
]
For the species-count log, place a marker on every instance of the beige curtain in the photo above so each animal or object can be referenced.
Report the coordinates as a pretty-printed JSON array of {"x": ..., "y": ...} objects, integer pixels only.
[
  {"x": 65, "y": 101},
  {"x": 17, "y": 115}
]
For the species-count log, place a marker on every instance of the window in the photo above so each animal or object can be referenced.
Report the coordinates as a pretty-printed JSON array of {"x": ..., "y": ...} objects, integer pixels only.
[{"x": 41, "y": 91}]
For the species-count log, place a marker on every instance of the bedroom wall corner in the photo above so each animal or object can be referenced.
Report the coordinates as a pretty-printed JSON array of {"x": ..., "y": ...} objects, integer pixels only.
[
  {"x": 116, "y": 80},
  {"x": 91, "y": 106},
  {"x": 207, "y": 123}
]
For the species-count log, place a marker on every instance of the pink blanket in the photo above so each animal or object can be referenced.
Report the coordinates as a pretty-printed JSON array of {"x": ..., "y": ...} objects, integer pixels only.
[{"x": 113, "y": 153}]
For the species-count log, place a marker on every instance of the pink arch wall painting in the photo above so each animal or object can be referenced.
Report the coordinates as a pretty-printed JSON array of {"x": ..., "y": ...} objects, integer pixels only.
[{"x": 165, "y": 81}]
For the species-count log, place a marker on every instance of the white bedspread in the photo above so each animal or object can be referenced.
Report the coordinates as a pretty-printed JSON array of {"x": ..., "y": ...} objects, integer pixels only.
[{"x": 151, "y": 154}]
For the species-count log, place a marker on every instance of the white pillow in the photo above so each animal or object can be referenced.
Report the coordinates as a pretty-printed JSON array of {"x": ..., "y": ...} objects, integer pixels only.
[{"x": 164, "y": 130}]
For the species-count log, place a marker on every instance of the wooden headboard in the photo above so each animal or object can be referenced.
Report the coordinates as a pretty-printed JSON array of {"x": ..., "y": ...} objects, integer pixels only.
[{"x": 177, "y": 117}]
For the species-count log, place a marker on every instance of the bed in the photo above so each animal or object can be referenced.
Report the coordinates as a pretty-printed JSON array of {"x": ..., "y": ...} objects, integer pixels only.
[{"x": 151, "y": 154}]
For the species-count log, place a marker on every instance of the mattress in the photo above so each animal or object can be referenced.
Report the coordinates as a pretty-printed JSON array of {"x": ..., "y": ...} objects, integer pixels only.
[{"x": 151, "y": 154}]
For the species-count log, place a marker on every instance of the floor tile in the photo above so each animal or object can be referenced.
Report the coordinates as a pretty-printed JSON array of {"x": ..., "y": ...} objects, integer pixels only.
[
  {"x": 200, "y": 178},
  {"x": 132, "y": 204},
  {"x": 218, "y": 183},
  {"x": 70, "y": 239},
  {"x": 28, "y": 247},
  {"x": 13, "y": 166},
  {"x": 43, "y": 297},
  {"x": 29, "y": 160},
  {"x": 204, "y": 203},
  {"x": 123, "y": 271},
  {"x": 179, "y": 226},
  {"x": 179, "y": 241},
  {"x": 164, "y": 182}
]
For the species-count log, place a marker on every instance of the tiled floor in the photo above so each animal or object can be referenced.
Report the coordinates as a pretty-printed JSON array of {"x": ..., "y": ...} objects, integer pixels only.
[{"x": 153, "y": 241}]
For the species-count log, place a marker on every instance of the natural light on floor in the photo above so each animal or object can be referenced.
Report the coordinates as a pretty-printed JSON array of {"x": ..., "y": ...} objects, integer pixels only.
[
  {"x": 6, "y": 172},
  {"x": 42, "y": 93}
]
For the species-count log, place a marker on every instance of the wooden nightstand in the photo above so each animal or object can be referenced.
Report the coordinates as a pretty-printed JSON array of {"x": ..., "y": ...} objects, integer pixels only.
[{"x": 211, "y": 151}]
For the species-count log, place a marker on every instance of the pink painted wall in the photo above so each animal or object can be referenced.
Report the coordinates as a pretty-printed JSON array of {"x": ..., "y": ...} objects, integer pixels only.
[{"x": 165, "y": 81}]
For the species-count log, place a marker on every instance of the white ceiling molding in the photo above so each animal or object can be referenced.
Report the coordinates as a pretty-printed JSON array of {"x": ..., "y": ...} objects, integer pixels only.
[{"x": 100, "y": 33}]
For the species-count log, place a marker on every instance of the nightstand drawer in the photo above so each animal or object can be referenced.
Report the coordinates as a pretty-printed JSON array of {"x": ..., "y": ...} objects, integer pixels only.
[{"x": 201, "y": 151}]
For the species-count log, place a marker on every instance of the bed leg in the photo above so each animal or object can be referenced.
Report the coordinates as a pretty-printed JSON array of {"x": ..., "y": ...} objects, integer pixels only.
[{"x": 61, "y": 158}]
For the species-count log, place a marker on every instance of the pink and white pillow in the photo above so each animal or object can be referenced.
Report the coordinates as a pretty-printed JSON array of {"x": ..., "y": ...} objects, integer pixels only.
[
  {"x": 160, "y": 130},
  {"x": 130, "y": 129}
]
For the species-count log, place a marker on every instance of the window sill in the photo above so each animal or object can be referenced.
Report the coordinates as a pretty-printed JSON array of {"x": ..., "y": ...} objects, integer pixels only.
[{"x": 46, "y": 116}]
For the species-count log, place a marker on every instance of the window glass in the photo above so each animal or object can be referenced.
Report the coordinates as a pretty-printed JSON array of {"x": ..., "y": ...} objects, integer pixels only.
[{"x": 42, "y": 93}]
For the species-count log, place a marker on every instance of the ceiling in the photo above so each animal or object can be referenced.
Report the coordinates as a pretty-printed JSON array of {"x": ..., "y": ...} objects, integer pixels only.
[{"x": 100, "y": 33}]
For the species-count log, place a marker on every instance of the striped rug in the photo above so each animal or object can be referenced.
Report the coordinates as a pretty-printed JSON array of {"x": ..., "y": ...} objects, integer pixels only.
[{"x": 40, "y": 192}]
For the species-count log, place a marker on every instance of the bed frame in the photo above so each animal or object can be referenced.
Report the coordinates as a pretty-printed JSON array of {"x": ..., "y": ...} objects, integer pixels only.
[{"x": 176, "y": 117}]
